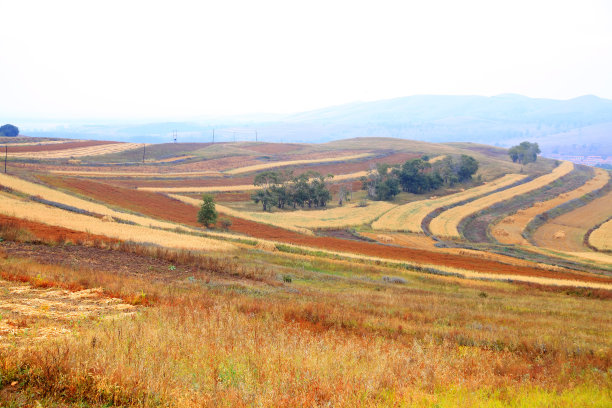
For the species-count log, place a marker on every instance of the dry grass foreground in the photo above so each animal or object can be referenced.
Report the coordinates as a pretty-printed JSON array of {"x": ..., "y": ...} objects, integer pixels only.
[
  {"x": 306, "y": 220},
  {"x": 271, "y": 165},
  {"x": 566, "y": 232},
  {"x": 317, "y": 341},
  {"x": 509, "y": 230},
  {"x": 31, "y": 314},
  {"x": 243, "y": 187},
  {"x": 54, "y": 216},
  {"x": 446, "y": 224},
  {"x": 601, "y": 238},
  {"x": 79, "y": 152},
  {"x": 408, "y": 217}
]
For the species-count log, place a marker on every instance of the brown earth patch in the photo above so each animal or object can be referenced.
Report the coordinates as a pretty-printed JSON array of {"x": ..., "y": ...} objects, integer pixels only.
[
  {"x": 272, "y": 148},
  {"x": 58, "y": 146}
]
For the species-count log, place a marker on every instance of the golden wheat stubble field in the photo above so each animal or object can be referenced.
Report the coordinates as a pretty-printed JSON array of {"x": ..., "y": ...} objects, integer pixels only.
[{"x": 258, "y": 328}]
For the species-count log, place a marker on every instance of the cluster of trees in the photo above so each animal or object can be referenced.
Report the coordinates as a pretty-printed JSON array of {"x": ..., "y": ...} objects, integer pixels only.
[
  {"x": 284, "y": 189},
  {"x": 9, "y": 130},
  {"x": 417, "y": 176},
  {"x": 524, "y": 153}
]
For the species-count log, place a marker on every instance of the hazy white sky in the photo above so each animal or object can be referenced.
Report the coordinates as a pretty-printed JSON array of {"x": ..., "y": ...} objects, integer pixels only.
[{"x": 177, "y": 59}]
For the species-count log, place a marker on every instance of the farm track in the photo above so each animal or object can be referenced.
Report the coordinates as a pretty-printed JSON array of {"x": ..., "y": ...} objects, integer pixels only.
[
  {"x": 160, "y": 206},
  {"x": 509, "y": 230}
]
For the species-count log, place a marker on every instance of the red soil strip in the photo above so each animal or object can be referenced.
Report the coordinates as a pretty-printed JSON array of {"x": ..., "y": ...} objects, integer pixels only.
[
  {"x": 48, "y": 233},
  {"x": 57, "y": 146},
  {"x": 163, "y": 207},
  {"x": 231, "y": 197}
]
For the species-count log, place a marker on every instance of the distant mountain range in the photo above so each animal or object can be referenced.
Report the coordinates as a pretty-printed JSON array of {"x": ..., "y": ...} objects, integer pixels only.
[{"x": 576, "y": 126}]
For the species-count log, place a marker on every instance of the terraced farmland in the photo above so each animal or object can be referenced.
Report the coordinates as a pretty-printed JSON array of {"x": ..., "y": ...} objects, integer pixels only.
[
  {"x": 446, "y": 224},
  {"x": 54, "y": 151},
  {"x": 408, "y": 217},
  {"x": 509, "y": 230},
  {"x": 601, "y": 238}
]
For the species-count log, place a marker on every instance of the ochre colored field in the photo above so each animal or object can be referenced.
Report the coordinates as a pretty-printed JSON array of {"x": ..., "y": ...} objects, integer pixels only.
[
  {"x": 264, "y": 166},
  {"x": 566, "y": 232},
  {"x": 601, "y": 238},
  {"x": 163, "y": 207},
  {"x": 302, "y": 220},
  {"x": 446, "y": 224},
  {"x": 220, "y": 186},
  {"x": 55, "y": 146},
  {"x": 96, "y": 150},
  {"x": 408, "y": 217},
  {"x": 509, "y": 229},
  {"x": 50, "y": 194},
  {"x": 56, "y": 217}
]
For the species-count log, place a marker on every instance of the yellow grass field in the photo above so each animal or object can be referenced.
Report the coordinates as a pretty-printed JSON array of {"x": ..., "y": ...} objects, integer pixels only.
[
  {"x": 408, "y": 217},
  {"x": 446, "y": 224},
  {"x": 509, "y": 229},
  {"x": 601, "y": 238},
  {"x": 112, "y": 174},
  {"x": 437, "y": 158},
  {"x": 271, "y": 165},
  {"x": 79, "y": 152},
  {"x": 50, "y": 194},
  {"x": 304, "y": 220},
  {"x": 241, "y": 187},
  {"x": 33, "y": 211}
]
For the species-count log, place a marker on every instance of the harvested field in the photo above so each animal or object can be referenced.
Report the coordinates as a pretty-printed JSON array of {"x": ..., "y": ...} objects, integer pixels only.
[
  {"x": 56, "y": 217},
  {"x": 273, "y": 148},
  {"x": 265, "y": 166},
  {"x": 419, "y": 256},
  {"x": 228, "y": 185},
  {"x": 303, "y": 220},
  {"x": 57, "y": 145},
  {"x": 56, "y": 196},
  {"x": 446, "y": 224},
  {"x": 601, "y": 238},
  {"x": 437, "y": 158},
  {"x": 409, "y": 217},
  {"x": 96, "y": 150},
  {"x": 574, "y": 224},
  {"x": 510, "y": 229},
  {"x": 134, "y": 174}
]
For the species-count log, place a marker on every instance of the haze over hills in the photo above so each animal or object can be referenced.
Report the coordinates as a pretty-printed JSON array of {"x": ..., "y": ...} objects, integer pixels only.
[{"x": 581, "y": 125}]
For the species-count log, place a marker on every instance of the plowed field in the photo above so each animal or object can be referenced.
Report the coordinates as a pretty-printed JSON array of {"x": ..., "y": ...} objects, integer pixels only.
[{"x": 57, "y": 146}]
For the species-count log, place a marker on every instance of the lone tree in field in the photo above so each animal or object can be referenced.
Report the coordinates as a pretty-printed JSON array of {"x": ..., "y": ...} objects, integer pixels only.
[
  {"x": 207, "y": 214},
  {"x": 524, "y": 153},
  {"x": 9, "y": 130}
]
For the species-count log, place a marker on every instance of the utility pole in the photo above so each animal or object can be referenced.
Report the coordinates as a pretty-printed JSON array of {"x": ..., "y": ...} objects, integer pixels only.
[
  {"x": 213, "y": 135},
  {"x": 144, "y": 148},
  {"x": 174, "y": 135},
  {"x": 255, "y": 135},
  {"x": 5, "y": 157}
]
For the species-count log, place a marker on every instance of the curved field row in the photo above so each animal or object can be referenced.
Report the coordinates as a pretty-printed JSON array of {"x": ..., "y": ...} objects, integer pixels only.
[
  {"x": 109, "y": 174},
  {"x": 271, "y": 165},
  {"x": 98, "y": 150},
  {"x": 50, "y": 194},
  {"x": 55, "y": 146},
  {"x": 304, "y": 220},
  {"x": 509, "y": 230},
  {"x": 241, "y": 187},
  {"x": 408, "y": 217},
  {"x": 566, "y": 232},
  {"x": 601, "y": 238},
  {"x": 446, "y": 224},
  {"x": 11, "y": 144},
  {"x": 54, "y": 216},
  {"x": 164, "y": 207}
]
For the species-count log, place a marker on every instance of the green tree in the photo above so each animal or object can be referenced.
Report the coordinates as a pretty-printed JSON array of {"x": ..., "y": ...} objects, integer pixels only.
[
  {"x": 9, "y": 130},
  {"x": 208, "y": 213},
  {"x": 468, "y": 166},
  {"x": 524, "y": 153}
]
